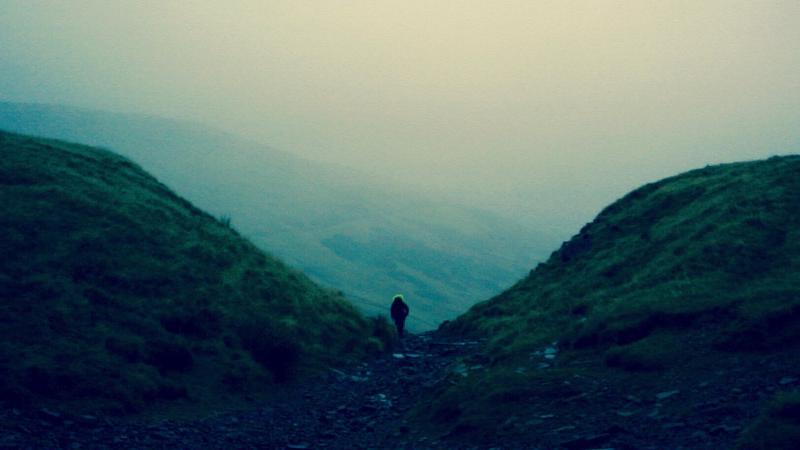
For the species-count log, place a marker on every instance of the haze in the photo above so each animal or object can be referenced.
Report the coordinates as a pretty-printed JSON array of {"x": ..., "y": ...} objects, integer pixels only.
[{"x": 542, "y": 110}]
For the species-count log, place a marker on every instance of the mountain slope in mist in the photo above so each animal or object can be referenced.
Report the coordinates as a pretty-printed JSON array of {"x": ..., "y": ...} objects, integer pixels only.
[
  {"x": 340, "y": 227},
  {"x": 115, "y": 293},
  {"x": 687, "y": 288}
]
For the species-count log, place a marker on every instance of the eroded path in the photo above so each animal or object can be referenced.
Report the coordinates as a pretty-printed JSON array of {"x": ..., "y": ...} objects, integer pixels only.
[{"x": 359, "y": 407}]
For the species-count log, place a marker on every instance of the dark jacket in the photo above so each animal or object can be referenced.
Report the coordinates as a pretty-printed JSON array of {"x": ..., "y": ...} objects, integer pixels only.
[{"x": 399, "y": 309}]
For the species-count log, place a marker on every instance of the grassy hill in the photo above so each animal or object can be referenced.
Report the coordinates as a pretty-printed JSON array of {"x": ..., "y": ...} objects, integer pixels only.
[
  {"x": 115, "y": 293},
  {"x": 340, "y": 227},
  {"x": 680, "y": 278}
]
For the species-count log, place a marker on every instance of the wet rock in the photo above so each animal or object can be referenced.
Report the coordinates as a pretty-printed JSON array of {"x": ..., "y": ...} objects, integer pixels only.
[
  {"x": 87, "y": 419},
  {"x": 461, "y": 369},
  {"x": 699, "y": 435},
  {"x": 586, "y": 442},
  {"x": 428, "y": 384},
  {"x": 581, "y": 397},
  {"x": 616, "y": 429},
  {"x": 723, "y": 429},
  {"x": 368, "y": 409},
  {"x": 164, "y": 434},
  {"x": 633, "y": 398},
  {"x": 50, "y": 415},
  {"x": 510, "y": 422},
  {"x": 666, "y": 394}
]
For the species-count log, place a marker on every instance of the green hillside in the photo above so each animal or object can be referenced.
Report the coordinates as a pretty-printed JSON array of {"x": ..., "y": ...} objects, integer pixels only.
[
  {"x": 115, "y": 293},
  {"x": 694, "y": 273},
  {"x": 342, "y": 228}
]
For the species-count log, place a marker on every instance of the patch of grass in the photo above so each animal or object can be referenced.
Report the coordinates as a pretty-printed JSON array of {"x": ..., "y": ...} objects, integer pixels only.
[
  {"x": 778, "y": 428},
  {"x": 384, "y": 336},
  {"x": 274, "y": 346},
  {"x": 653, "y": 353},
  {"x": 469, "y": 406}
]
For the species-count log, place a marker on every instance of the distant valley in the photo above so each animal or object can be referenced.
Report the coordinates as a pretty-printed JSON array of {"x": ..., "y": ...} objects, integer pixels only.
[{"x": 344, "y": 229}]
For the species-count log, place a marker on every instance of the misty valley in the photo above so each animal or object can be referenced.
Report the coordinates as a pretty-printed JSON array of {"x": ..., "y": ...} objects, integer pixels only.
[
  {"x": 344, "y": 229},
  {"x": 123, "y": 300},
  {"x": 400, "y": 225}
]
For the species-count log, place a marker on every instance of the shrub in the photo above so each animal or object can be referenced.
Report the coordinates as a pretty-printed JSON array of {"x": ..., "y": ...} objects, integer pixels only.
[
  {"x": 383, "y": 332},
  {"x": 631, "y": 360},
  {"x": 204, "y": 323},
  {"x": 272, "y": 345},
  {"x": 374, "y": 346},
  {"x": 169, "y": 391},
  {"x": 10, "y": 391},
  {"x": 44, "y": 380},
  {"x": 129, "y": 350},
  {"x": 169, "y": 356},
  {"x": 654, "y": 353}
]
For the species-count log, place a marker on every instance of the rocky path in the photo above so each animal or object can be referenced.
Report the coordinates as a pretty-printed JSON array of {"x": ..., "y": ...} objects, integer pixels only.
[{"x": 361, "y": 407}]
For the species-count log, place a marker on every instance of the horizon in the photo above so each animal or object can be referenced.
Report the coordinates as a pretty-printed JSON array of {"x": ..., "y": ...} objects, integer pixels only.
[{"x": 539, "y": 110}]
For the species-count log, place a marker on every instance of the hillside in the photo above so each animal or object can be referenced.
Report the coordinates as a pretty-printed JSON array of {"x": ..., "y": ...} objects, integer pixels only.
[
  {"x": 675, "y": 313},
  {"x": 344, "y": 229},
  {"x": 116, "y": 294}
]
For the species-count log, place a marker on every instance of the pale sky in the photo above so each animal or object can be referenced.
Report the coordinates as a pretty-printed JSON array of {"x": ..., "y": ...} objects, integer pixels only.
[{"x": 538, "y": 108}]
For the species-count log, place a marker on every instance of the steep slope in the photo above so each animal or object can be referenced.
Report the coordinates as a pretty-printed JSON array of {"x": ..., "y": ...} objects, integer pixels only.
[
  {"x": 115, "y": 293},
  {"x": 344, "y": 229},
  {"x": 689, "y": 280}
]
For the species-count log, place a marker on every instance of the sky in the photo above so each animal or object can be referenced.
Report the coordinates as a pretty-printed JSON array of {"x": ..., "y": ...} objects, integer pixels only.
[{"x": 532, "y": 108}]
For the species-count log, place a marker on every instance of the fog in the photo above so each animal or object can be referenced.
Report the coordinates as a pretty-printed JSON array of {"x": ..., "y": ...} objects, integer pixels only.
[{"x": 542, "y": 110}]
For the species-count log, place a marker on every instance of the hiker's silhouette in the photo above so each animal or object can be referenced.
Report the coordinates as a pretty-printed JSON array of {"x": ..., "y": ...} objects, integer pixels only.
[{"x": 399, "y": 313}]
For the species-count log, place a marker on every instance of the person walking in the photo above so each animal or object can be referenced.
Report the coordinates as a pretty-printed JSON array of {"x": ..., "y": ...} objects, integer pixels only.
[{"x": 399, "y": 313}]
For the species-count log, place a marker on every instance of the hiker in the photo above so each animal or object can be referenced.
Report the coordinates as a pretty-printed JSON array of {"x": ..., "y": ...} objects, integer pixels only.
[{"x": 399, "y": 313}]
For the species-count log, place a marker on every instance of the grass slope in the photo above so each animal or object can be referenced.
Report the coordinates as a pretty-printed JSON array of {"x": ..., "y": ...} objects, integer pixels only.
[
  {"x": 711, "y": 256},
  {"x": 116, "y": 293}
]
